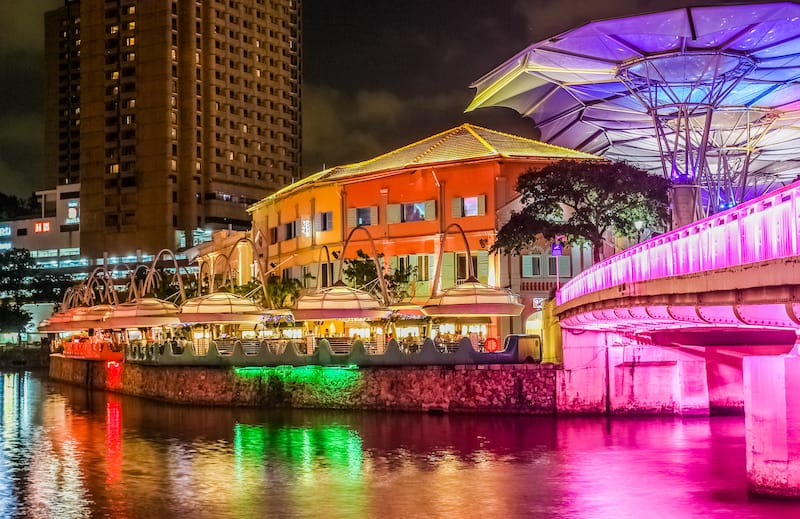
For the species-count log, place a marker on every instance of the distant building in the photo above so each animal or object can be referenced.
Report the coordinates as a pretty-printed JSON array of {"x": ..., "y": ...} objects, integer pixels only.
[
  {"x": 406, "y": 199},
  {"x": 173, "y": 116},
  {"x": 52, "y": 236}
]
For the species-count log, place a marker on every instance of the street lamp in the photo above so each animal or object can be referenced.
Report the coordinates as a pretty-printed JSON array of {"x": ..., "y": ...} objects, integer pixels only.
[{"x": 638, "y": 224}]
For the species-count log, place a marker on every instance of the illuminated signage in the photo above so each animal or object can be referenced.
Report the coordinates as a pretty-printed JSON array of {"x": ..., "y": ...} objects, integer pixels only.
[
  {"x": 39, "y": 227},
  {"x": 5, "y": 245},
  {"x": 73, "y": 216},
  {"x": 305, "y": 227},
  {"x": 5, "y": 230}
]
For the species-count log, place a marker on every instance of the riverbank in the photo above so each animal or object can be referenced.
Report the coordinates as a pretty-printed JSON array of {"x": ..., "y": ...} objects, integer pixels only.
[
  {"x": 514, "y": 388},
  {"x": 24, "y": 357}
]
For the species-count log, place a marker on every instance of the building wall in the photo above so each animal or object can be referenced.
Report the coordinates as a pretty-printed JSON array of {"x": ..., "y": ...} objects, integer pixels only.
[
  {"x": 52, "y": 237},
  {"x": 187, "y": 113},
  {"x": 62, "y": 96},
  {"x": 442, "y": 188}
]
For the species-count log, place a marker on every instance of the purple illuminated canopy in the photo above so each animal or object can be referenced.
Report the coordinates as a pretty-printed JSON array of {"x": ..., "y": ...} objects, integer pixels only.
[{"x": 706, "y": 95}]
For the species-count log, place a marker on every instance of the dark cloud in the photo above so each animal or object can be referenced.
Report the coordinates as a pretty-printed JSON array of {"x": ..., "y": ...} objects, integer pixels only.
[
  {"x": 380, "y": 75},
  {"x": 22, "y": 25},
  {"x": 21, "y": 122}
]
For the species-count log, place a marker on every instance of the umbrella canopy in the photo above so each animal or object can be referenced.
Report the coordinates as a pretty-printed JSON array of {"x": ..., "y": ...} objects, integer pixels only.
[
  {"x": 143, "y": 313},
  {"x": 339, "y": 302},
  {"x": 220, "y": 307},
  {"x": 473, "y": 298},
  {"x": 63, "y": 321},
  {"x": 704, "y": 94},
  {"x": 76, "y": 319}
]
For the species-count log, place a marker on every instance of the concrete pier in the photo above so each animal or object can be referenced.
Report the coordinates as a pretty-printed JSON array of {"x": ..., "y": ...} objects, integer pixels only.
[{"x": 772, "y": 424}]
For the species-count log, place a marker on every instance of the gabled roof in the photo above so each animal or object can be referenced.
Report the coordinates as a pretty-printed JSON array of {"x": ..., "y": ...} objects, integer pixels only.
[{"x": 462, "y": 143}]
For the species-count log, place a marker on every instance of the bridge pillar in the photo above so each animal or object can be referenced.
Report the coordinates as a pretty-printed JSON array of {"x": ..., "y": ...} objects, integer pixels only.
[
  {"x": 581, "y": 385},
  {"x": 605, "y": 372},
  {"x": 691, "y": 387},
  {"x": 772, "y": 424}
]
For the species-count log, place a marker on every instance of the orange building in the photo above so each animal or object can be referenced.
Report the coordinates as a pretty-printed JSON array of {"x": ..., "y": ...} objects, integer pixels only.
[{"x": 407, "y": 199}]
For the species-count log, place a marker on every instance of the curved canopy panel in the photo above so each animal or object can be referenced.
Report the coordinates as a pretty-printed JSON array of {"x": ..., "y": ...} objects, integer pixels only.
[
  {"x": 143, "y": 313},
  {"x": 473, "y": 298},
  {"x": 220, "y": 307},
  {"x": 76, "y": 319},
  {"x": 706, "y": 95},
  {"x": 339, "y": 302}
]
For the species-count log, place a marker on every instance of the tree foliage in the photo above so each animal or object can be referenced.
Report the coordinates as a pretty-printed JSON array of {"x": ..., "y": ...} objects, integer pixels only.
[
  {"x": 282, "y": 292},
  {"x": 21, "y": 282},
  {"x": 13, "y": 207},
  {"x": 583, "y": 200},
  {"x": 360, "y": 272},
  {"x": 12, "y": 318}
]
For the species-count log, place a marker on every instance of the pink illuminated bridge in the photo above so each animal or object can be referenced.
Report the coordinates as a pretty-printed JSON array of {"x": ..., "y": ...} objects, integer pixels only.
[{"x": 738, "y": 268}]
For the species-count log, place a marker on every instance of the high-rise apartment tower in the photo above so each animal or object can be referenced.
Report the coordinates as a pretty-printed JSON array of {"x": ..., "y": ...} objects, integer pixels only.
[{"x": 173, "y": 115}]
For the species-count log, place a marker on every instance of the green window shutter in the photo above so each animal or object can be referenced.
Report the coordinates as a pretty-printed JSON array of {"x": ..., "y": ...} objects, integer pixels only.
[
  {"x": 457, "y": 210},
  {"x": 483, "y": 266},
  {"x": 448, "y": 273},
  {"x": 393, "y": 213},
  {"x": 481, "y": 205},
  {"x": 430, "y": 210},
  {"x": 565, "y": 266},
  {"x": 351, "y": 217},
  {"x": 392, "y": 264},
  {"x": 527, "y": 266},
  {"x": 373, "y": 215}
]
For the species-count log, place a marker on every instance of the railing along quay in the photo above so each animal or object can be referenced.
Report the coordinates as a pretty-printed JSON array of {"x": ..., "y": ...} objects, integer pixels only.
[{"x": 274, "y": 353}]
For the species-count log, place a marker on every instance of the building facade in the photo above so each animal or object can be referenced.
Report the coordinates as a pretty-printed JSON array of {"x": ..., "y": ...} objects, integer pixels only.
[
  {"x": 408, "y": 200},
  {"x": 178, "y": 114},
  {"x": 53, "y": 236}
]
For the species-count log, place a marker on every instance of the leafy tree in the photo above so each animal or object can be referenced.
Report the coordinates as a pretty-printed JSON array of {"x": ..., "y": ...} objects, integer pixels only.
[
  {"x": 12, "y": 318},
  {"x": 282, "y": 292},
  {"x": 21, "y": 282},
  {"x": 13, "y": 207},
  {"x": 583, "y": 200},
  {"x": 16, "y": 276},
  {"x": 360, "y": 272}
]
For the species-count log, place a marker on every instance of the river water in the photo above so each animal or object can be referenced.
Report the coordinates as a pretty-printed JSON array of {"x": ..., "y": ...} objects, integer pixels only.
[{"x": 70, "y": 453}]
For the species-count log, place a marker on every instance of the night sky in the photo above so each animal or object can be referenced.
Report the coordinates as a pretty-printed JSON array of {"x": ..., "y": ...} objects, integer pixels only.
[{"x": 378, "y": 74}]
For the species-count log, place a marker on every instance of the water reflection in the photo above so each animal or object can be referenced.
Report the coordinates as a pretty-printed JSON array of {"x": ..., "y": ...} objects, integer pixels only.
[{"x": 71, "y": 453}]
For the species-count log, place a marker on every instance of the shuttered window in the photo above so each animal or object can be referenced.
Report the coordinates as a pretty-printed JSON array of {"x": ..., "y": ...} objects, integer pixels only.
[
  {"x": 411, "y": 212},
  {"x": 364, "y": 216},
  {"x": 469, "y": 206}
]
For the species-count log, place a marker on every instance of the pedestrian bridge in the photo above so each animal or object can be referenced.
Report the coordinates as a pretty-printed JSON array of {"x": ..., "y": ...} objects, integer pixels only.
[
  {"x": 698, "y": 320},
  {"x": 739, "y": 269}
]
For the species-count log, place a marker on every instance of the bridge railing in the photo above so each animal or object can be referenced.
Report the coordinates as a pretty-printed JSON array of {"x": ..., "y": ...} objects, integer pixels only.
[{"x": 762, "y": 229}]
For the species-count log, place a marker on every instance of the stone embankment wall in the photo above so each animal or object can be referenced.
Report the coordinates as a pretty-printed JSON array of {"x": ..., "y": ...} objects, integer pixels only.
[
  {"x": 24, "y": 357},
  {"x": 521, "y": 388}
]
